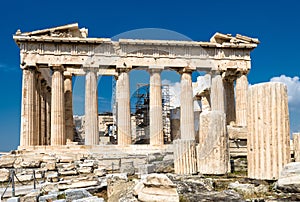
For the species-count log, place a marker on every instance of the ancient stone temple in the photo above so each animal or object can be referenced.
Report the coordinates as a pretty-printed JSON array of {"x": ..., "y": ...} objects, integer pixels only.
[{"x": 51, "y": 57}]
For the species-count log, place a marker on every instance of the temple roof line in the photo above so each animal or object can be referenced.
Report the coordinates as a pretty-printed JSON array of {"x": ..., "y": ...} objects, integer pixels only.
[{"x": 71, "y": 33}]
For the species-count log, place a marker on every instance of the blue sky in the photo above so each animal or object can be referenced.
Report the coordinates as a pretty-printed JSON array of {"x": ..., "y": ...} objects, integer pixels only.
[{"x": 276, "y": 24}]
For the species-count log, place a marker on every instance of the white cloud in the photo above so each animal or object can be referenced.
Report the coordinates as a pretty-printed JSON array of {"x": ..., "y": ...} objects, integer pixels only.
[
  {"x": 174, "y": 91},
  {"x": 293, "y": 90},
  {"x": 293, "y": 87}
]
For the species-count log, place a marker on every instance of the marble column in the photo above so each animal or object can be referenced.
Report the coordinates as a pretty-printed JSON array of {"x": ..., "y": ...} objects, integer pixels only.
[
  {"x": 268, "y": 140},
  {"x": 123, "y": 108},
  {"x": 58, "y": 134},
  {"x": 187, "y": 128},
  {"x": 156, "y": 122},
  {"x": 69, "y": 107},
  {"x": 38, "y": 107},
  {"x": 91, "y": 108},
  {"x": 217, "y": 95},
  {"x": 241, "y": 89},
  {"x": 48, "y": 116},
  {"x": 213, "y": 148},
  {"x": 229, "y": 100},
  {"x": 28, "y": 133},
  {"x": 185, "y": 148},
  {"x": 43, "y": 113},
  {"x": 296, "y": 145}
]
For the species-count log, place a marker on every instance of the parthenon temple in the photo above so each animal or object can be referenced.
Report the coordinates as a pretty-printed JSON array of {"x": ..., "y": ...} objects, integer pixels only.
[{"x": 49, "y": 59}]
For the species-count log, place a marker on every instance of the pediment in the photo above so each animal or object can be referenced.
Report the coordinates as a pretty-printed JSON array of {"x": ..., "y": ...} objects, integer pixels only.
[{"x": 70, "y": 30}]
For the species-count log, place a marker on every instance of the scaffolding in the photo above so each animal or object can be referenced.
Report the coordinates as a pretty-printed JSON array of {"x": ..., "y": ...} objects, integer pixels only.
[{"x": 141, "y": 113}]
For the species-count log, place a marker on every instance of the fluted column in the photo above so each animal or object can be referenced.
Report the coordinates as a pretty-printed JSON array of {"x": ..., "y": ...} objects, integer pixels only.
[
  {"x": 38, "y": 108},
  {"x": 241, "y": 89},
  {"x": 229, "y": 100},
  {"x": 58, "y": 135},
  {"x": 217, "y": 95},
  {"x": 296, "y": 144},
  {"x": 123, "y": 107},
  {"x": 69, "y": 107},
  {"x": 91, "y": 108},
  {"x": 184, "y": 148},
  {"x": 48, "y": 116},
  {"x": 27, "y": 133},
  {"x": 268, "y": 140},
  {"x": 156, "y": 122},
  {"x": 43, "y": 113},
  {"x": 187, "y": 128}
]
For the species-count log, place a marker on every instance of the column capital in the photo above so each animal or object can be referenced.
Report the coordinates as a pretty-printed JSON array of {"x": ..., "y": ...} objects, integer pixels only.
[
  {"x": 57, "y": 67},
  {"x": 122, "y": 69},
  {"x": 90, "y": 69},
  {"x": 28, "y": 67},
  {"x": 188, "y": 70},
  {"x": 155, "y": 68},
  {"x": 240, "y": 73},
  {"x": 67, "y": 74}
]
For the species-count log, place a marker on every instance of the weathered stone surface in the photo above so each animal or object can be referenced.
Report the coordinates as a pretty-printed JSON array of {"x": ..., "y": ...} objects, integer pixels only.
[
  {"x": 100, "y": 172},
  {"x": 113, "y": 180},
  {"x": 268, "y": 141},
  {"x": 296, "y": 144},
  {"x": 31, "y": 197},
  {"x": 289, "y": 179},
  {"x": 122, "y": 192},
  {"x": 146, "y": 169},
  {"x": 49, "y": 187},
  {"x": 85, "y": 170},
  {"x": 157, "y": 187},
  {"x": 110, "y": 164},
  {"x": 248, "y": 189},
  {"x": 48, "y": 166},
  {"x": 24, "y": 178},
  {"x": 213, "y": 148},
  {"x": 194, "y": 188},
  {"x": 48, "y": 197},
  {"x": 4, "y": 175},
  {"x": 7, "y": 161},
  {"x": 185, "y": 156},
  {"x": 51, "y": 176},
  {"x": 13, "y": 199},
  {"x": 77, "y": 184},
  {"x": 74, "y": 194},
  {"x": 127, "y": 167},
  {"x": 89, "y": 199}
]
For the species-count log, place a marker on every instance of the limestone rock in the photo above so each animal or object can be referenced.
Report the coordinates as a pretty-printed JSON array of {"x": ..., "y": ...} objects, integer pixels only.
[
  {"x": 127, "y": 167},
  {"x": 89, "y": 199},
  {"x": 31, "y": 196},
  {"x": 49, "y": 187},
  {"x": 248, "y": 189},
  {"x": 48, "y": 197},
  {"x": 4, "y": 175},
  {"x": 7, "y": 161},
  {"x": 157, "y": 187},
  {"x": 48, "y": 166},
  {"x": 85, "y": 170},
  {"x": 114, "y": 180},
  {"x": 289, "y": 179},
  {"x": 74, "y": 194},
  {"x": 100, "y": 172},
  {"x": 13, "y": 199},
  {"x": 146, "y": 169}
]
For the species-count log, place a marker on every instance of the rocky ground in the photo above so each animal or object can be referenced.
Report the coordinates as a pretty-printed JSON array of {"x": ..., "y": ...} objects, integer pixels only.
[{"x": 146, "y": 178}]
